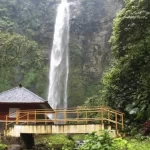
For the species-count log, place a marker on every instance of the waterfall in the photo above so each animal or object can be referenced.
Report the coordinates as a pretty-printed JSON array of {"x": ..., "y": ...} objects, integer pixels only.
[{"x": 59, "y": 64}]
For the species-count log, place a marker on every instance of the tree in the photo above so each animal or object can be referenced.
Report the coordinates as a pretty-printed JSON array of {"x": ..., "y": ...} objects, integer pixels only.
[
  {"x": 21, "y": 61},
  {"x": 14, "y": 49},
  {"x": 126, "y": 84}
]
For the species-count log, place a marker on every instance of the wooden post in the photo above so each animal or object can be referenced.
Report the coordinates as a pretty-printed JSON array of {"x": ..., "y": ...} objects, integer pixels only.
[
  {"x": 86, "y": 117},
  {"x": 102, "y": 115},
  {"x": 65, "y": 117},
  {"x": 27, "y": 117},
  {"x": 35, "y": 116},
  {"x": 45, "y": 118},
  {"x": 17, "y": 117},
  {"x": 6, "y": 123},
  {"x": 116, "y": 120},
  {"x": 108, "y": 117},
  {"x": 77, "y": 116},
  {"x": 122, "y": 118},
  {"x": 55, "y": 116}
]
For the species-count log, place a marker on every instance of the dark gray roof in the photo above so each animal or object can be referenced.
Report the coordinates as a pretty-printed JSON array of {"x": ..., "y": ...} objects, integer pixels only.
[{"x": 20, "y": 95}]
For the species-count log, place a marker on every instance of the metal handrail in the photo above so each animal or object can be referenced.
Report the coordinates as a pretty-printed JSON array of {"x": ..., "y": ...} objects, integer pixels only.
[{"x": 80, "y": 115}]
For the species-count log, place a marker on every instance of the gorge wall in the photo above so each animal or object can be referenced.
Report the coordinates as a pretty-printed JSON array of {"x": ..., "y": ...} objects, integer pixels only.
[{"x": 91, "y": 26}]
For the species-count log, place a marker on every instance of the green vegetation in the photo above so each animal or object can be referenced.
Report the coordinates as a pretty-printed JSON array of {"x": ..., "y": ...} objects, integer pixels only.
[
  {"x": 24, "y": 39},
  {"x": 104, "y": 141},
  {"x": 128, "y": 81},
  {"x": 125, "y": 85},
  {"x": 20, "y": 61},
  {"x": 3, "y": 146},
  {"x": 55, "y": 142},
  {"x": 101, "y": 140},
  {"x": 139, "y": 145},
  {"x": 59, "y": 141}
]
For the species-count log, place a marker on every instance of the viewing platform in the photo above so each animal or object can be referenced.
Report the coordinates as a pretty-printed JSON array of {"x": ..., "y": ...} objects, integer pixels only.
[{"x": 74, "y": 120}]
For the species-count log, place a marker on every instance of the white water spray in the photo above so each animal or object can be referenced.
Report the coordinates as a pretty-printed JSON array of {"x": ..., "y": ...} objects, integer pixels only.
[{"x": 59, "y": 64}]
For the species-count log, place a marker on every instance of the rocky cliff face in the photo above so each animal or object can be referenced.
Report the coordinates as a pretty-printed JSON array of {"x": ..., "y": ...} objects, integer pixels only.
[
  {"x": 93, "y": 20},
  {"x": 91, "y": 26}
]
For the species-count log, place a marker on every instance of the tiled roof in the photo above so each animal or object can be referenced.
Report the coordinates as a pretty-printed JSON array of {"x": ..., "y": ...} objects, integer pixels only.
[{"x": 20, "y": 95}]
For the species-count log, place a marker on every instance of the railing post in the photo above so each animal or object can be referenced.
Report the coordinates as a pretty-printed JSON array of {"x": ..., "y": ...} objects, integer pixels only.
[
  {"x": 116, "y": 120},
  {"x": 122, "y": 118},
  {"x": 55, "y": 116},
  {"x": 35, "y": 116},
  {"x": 77, "y": 115},
  {"x": 17, "y": 117},
  {"x": 108, "y": 117},
  {"x": 102, "y": 115},
  {"x": 6, "y": 122},
  {"x": 45, "y": 117},
  {"x": 86, "y": 117},
  {"x": 27, "y": 117},
  {"x": 65, "y": 116}
]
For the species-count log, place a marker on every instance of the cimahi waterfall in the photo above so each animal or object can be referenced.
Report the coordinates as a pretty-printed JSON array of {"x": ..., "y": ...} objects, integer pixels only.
[{"x": 59, "y": 63}]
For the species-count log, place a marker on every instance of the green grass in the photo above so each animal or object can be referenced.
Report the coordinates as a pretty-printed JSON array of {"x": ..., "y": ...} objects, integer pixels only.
[
  {"x": 3, "y": 146},
  {"x": 139, "y": 145}
]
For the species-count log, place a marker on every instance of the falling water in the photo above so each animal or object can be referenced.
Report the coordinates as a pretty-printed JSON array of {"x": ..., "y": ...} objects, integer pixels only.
[{"x": 59, "y": 64}]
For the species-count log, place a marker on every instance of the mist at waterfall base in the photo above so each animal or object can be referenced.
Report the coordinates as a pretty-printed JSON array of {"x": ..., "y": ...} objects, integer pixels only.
[{"x": 59, "y": 64}]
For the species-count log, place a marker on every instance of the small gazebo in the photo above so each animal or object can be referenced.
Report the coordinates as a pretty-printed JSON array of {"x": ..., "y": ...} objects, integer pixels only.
[{"x": 19, "y": 98}]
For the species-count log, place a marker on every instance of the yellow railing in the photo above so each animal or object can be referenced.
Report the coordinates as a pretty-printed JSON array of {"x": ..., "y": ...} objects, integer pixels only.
[{"x": 78, "y": 115}]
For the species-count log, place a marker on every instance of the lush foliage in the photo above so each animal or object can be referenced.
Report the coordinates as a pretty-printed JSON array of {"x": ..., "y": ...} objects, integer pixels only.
[
  {"x": 24, "y": 39},
  {"x": 126, "y": 83},
  {"x": 104, "y": 141},
  {"x": 15, "y": 49},
  {"x": 139, "y": 144},
  {"x": 3, "y": 147},
  {"x": 20, "y": 61},
  {"x": 56, "y": 142}
]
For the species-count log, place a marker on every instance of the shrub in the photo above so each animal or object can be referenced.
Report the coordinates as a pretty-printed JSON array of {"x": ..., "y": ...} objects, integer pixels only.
[
  {"x": 3, "y": 147},
  {"x": 57, "y": 142},
  {"x": 104, "y": 141},
  {"x": 120, "y": 144}
]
